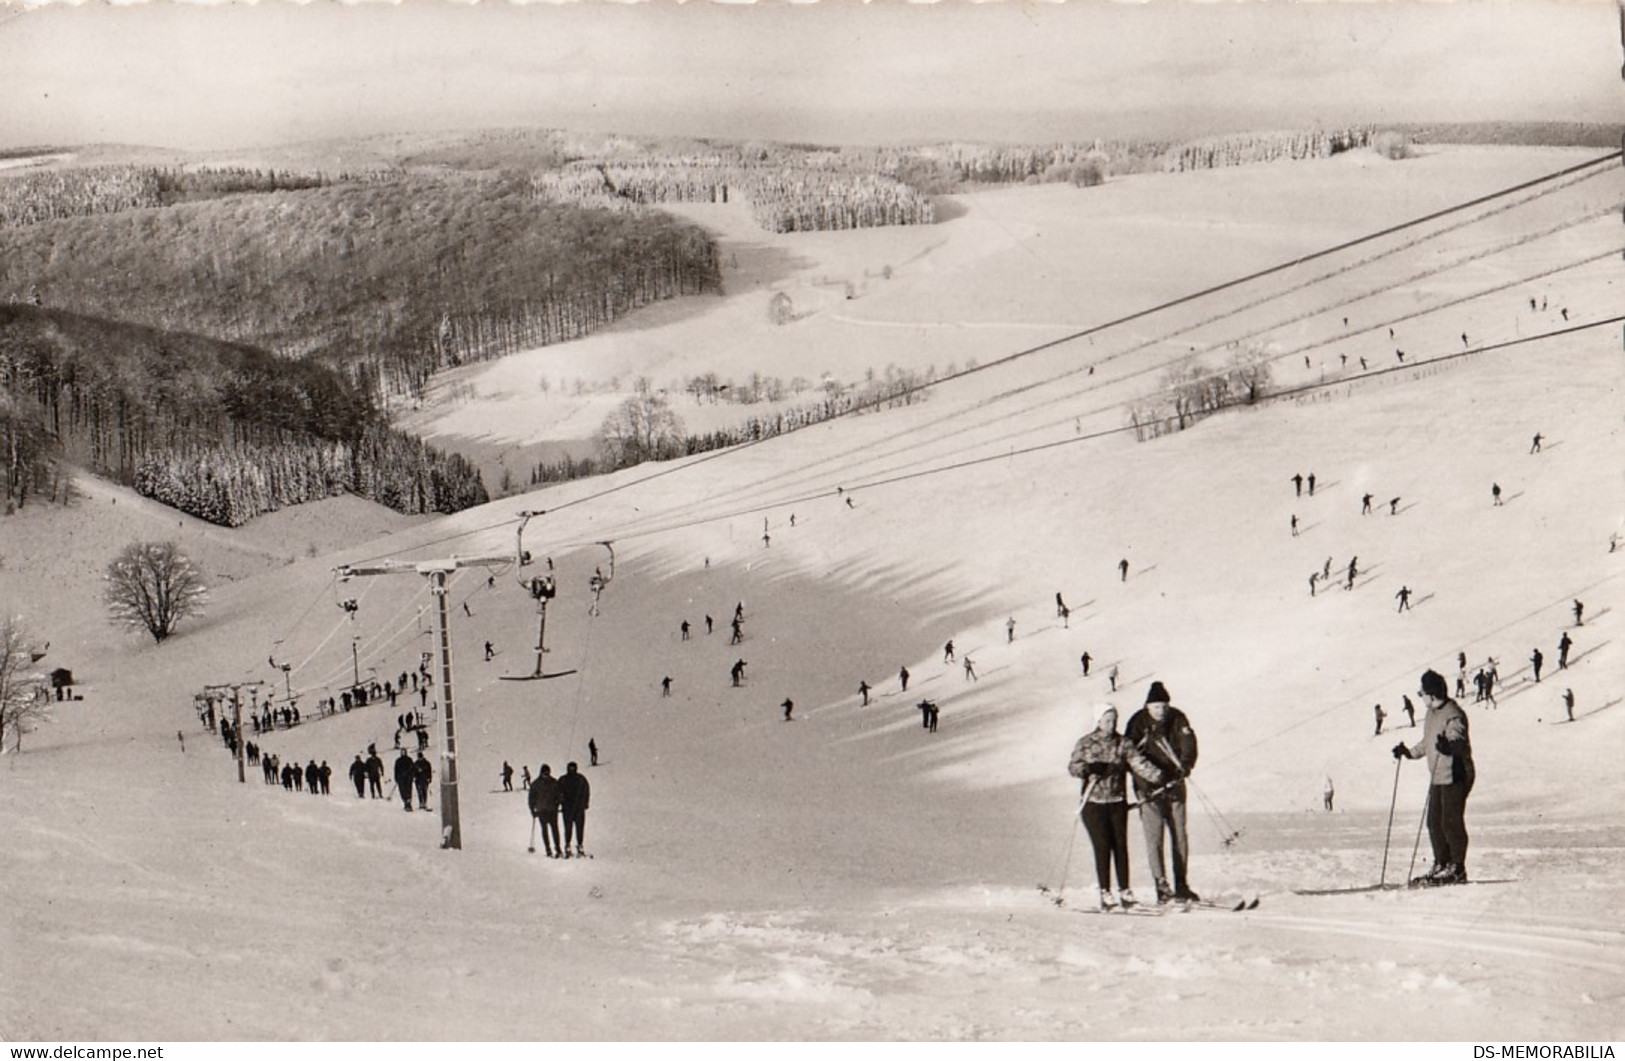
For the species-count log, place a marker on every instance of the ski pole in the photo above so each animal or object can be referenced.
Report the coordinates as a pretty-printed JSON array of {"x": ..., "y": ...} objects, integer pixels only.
[
  {"x": 532, "y": 847},
  {"x": 1392, "y": 801},
  {"x": 1072, "y": 837},
  {"x": 1418, "y": 845}
]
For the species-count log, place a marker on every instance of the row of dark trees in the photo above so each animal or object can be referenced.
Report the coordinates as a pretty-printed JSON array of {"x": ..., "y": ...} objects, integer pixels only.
[
  {"x": 1248, "y": 148},
  {"x": 55, "y": 194},
  {"x": 782, "y": 198},
  {"x": 390, "y": 281},
  {"x": 645, "y": 428},
  {"x": 1191, "y": 392},
  {"x": 219, "y": 430}
]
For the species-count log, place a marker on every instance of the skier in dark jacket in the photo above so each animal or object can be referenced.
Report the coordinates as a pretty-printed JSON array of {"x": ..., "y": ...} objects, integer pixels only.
[
  {"x": 375, "y": 775},
  {"x": 574, "y": 796},
  {"x": 422, "y": 774},
  {"x": 403, "y": 778},
  {"x": 544, "y": 807},
  {"x": 358, "y": 777},
  {"x": 1163, "y": 734},
  {"x": 1449, "y": 755},
  {"x": 1101, "y": 758}
]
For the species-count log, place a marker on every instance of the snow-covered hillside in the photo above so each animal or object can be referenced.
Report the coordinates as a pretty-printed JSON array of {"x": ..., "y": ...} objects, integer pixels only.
[{"x": 848, "y": 874}]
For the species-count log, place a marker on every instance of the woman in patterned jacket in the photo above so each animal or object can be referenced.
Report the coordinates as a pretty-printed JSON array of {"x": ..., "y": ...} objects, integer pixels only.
[{"x": 1102, "y": 758}]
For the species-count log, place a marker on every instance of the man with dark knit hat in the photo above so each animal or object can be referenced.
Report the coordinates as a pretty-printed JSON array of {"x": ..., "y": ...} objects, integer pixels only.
[
  {"x": 1449, "y": 755},
  {"x": 1163, "y": 734}
]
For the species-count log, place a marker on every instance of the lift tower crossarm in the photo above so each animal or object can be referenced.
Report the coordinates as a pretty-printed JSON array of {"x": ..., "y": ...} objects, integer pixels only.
[{"x": 451, "y": 833}]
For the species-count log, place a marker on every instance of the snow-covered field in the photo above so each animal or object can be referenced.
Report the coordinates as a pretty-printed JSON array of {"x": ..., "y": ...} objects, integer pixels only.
[{"x": 848, "y": 875}]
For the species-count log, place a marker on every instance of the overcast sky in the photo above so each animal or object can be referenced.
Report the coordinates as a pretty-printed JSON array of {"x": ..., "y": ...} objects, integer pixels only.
[{"x": 183, "y": 75}]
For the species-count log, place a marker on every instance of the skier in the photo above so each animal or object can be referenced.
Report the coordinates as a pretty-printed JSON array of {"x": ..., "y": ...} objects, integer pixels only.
[
  {"x": 1495, "y": 495},
  {"x": 738, "y": 631},
  {"x": 1060, "y": 606},
  {"x": 665, "y": 686},
  {"x": 325, "y": 773},
  {"x": 1579, "y": 613},
  {"x": 1377, "y": 709},
  {"x": 358, "y": 777},
  {"x": 863, "y": 691},
  {"x": 1122, "y": 570},
  {"x": 1393, "y": 506},
  {"x": 403, "y": 779},
  {"x": 1297, "y": 484},
  {"x": 1066, "y": 618},
  {"x": 592, "y": 752},
  {"x": 1294, "y": 524},
  {"x": 1085, "y": 659},
  {"x": 1111, "y": 676},
  {"x": 1010, "y": 630},
  {"x": 1449, "y": 755},
  {"x": 1162, "y": 733},
  {"x": 422, "y": 773},
  {"x": 708, "y": 624},
  {"x": 1404, "y": 596},
  {"x": 684, "y": 629},
  {"x": 948, "y": 652},
  {"x": 507, "y": 777},
  {"x": 182, "y": 738},
  {"x": 789, "y": 706},
  {"x": 1535, "y": 661},
  {"x": 1100, "y": 759},
  {"x": 544, "y": 807},
  {"x": 489, "y": 652},
  {"x": 925, "y": 714},
  {"x": 737, "y": 671},
  {"x": 524, "y": 778},
  {"x": 1563, "y": 646},
  {"x": 1410, "y": 711},
  {"x": 970, "y": 670},
  {"x": 1568, "y": 703},
  {"x": 1328, "y": 794},
  {"x": 575, "y": 794},
  {"x": 1311, "y": 481},
  {"x": 932, "y": 718},
  {"x": 902, "y": 676},
  {"x": 1365, "y": 505},
  {"x": 1534, "y": 447},
  {"x": 375, "y": 774},
  {"x": 1354, "y": 571},
  {"x": 1326, "y": 570}
]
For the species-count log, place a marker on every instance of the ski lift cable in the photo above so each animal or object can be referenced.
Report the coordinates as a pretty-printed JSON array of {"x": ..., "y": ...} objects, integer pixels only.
[
  {"x": 1004, "y": 455},
  {"x": 1074, "y": 414},
  {"x": 336, "y": 627},
  {"x": 337, "y": 671},
  {"x": 757, "y": 486},
  {"x": 806, "y": 472},
  {"x": 314, "y": 600},
  {"x": 843, "y": 459},
  {"x": 1136, "y": 315},
  {"x": 1029, "y": 351}
]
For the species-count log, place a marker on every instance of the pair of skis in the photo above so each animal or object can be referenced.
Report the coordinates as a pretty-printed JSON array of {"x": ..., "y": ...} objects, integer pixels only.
[{"x": 1229, "y": 904}]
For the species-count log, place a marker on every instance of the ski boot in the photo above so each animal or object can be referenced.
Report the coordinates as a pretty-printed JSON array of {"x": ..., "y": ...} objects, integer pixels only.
[
  {"x": 1126, "y": 897},
  {"x": 1108, "y": 901},
  {"x": 1165, "y": 894},
  {"x": 1183, "y": 894}
]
